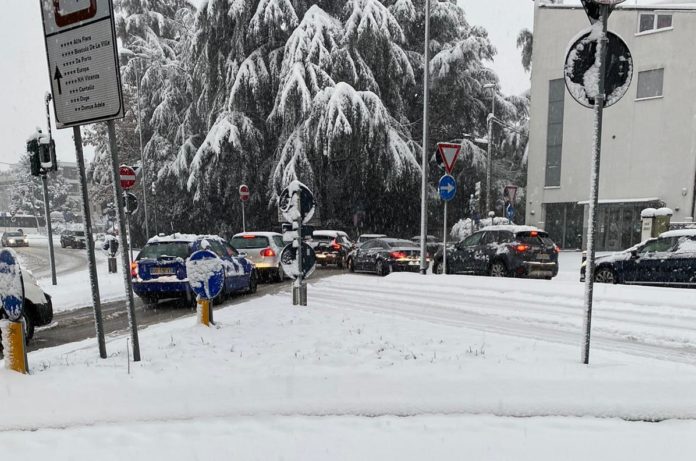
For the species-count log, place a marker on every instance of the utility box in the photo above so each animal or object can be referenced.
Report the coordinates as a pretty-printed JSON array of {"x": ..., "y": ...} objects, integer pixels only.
[
  {"x": 655, "y": 222},
  {"x": 663, "y": 218}
]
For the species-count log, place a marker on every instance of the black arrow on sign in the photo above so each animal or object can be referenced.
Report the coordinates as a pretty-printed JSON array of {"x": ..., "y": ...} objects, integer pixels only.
[{"x": 57, "y": 76}]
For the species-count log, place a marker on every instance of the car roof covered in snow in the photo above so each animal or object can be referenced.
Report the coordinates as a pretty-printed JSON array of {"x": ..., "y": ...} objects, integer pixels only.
[
  {"x": 374, "y": 236},
  {"x": 328, "y": 233},
  {"x": 258, "y": 234},
  {"x": 680, "y": 233},
  {"x": 511, "y": 228},
  {"x": 177, "y": 237}
]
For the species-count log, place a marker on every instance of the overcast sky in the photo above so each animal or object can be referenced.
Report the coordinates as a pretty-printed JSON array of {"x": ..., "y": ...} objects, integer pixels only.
[{"x": 24, "y": 81}]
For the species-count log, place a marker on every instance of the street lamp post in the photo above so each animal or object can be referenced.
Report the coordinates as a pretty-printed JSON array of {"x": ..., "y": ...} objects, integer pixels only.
[
  {"x": 424, "y": 178},
  {"x": 489, "y": 120}
]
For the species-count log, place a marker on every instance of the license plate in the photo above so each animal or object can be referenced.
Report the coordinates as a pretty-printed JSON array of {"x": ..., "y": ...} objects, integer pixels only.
[
  {"x": 161, "y": 271},
  {"x": 413, "y": 263},
  {"x": 543, "y": 257}
]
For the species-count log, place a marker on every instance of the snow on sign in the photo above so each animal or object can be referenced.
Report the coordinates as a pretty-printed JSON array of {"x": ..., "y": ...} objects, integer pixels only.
[
  {"x": 205, "y": 274},
  {"x": 11, "y": 286},
  {"x": 82, "y": 61},
  {"x": 449, "y": 154},
  {"x": 582, "y": 68},
  {"x": 127, "y": 177}
]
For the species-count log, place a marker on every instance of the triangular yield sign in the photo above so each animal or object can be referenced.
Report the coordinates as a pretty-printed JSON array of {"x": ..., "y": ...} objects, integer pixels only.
[{"x": 449, "y": 154}]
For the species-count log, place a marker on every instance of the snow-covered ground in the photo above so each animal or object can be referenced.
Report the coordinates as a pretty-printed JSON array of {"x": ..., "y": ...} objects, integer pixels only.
[{"x": 402, "y": 367}]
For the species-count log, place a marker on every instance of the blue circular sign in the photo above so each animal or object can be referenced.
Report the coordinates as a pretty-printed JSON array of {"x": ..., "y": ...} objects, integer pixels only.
[
  {"x": 205, "y": 273},
  {"x": 11, "y": 286},
  {"x": 447, "y": 188}
]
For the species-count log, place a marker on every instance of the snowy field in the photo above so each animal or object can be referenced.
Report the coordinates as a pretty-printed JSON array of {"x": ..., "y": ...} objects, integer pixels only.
[{"x": 403, "y": 367}]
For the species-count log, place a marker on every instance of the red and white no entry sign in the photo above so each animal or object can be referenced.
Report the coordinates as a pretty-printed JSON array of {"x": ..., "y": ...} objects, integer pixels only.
[
  {"x": 244, "y": 193},
  {"x": 127, "y": 176}
]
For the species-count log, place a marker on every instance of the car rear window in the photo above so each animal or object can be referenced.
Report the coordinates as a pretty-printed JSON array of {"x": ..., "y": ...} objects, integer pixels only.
[
  {"x": 323, "y": 238},
  {"x": 402, "y": 244},
  {"x": 164, "y": 250},
  {"x": 14, "y": 234},
  {"x": 249, "y": 241},
  {"x": 534, "y": 238},
  {"x": 80, "y": 233}
]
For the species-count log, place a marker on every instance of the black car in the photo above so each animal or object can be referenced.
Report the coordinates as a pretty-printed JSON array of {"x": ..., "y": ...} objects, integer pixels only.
[
  {"x": 502, "y": 251},
  {"x": 14, "y": 239},
  {"x": 330, "y": 247},
  {"x": 669, "y": 260},
  {"x": 385, "y": 255},
  {"x": 73, "y": 239}
]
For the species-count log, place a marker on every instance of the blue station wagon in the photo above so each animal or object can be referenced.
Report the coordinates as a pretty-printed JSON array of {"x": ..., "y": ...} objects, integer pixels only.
[{"x": 159, "y": 270}]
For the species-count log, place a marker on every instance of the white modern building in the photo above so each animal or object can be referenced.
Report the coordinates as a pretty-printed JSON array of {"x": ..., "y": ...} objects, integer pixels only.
[{"x": 649, "y": 137}]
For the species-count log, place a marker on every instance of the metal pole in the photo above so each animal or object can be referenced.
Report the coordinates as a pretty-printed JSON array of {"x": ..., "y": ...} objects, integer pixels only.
[
  {"x": 118, "y": 198},
  {"x": 128, "y": 225},
  {"x": 444, "y": 244},
  {"x": 594, "y": 187},
  {"x": 426, "y": 113},
  {"x": 87, "y": 219},
  {"x": 47, "y": 210},
  {"x": 243, "y": 219},
  {"x": 142, "y": 158},
  {"x": 489, "y": 159}
]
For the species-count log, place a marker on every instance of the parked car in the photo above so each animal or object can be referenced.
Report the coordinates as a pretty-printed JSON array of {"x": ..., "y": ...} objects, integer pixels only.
[
  {"x": 367, "y": 237},
  {"x": 263, "y": 249},
  {"x": 14, "y": 239},
  {"x": 73, "y": 239},
  {"x": 385, "y": 255},
  {"x": 432, "y": 243},
  {"x": 38, "y": 307},
  {"x": 331, "y": 247},
  {"x": 503, "y": 251},
  {"x": 159, "y": 270},
  {"x": 669, "y": 260}
]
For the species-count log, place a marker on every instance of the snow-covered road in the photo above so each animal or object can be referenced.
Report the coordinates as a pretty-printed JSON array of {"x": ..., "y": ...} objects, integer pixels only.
[{"x": 646, "y": 321}]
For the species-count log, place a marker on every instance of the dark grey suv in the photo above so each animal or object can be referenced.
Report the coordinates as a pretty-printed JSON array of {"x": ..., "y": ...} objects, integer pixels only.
[{"x": 502, "y": 251}]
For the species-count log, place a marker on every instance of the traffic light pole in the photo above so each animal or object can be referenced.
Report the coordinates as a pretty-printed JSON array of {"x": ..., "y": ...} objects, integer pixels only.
[
  {"x": 47, "y": 211},
  {"x": 87, "y": 219},
  {"x": 120, "y": 207}
]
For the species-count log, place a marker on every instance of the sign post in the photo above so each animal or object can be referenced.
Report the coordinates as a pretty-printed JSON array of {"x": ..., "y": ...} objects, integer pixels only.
[
  {"x": 243, "y": 197},
  {"x": 85, "y": 79},
  {"x": 585, "y": 57},
  {"x": 297, "y": 205},
  {"x": 12, "y": 302},
  {"x": 207, "y": 279},
  {"x": 447, "y": 187}
]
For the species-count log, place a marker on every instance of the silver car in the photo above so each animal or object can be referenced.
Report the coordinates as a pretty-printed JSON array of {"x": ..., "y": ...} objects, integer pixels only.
[{"x": 263, "y": 249}]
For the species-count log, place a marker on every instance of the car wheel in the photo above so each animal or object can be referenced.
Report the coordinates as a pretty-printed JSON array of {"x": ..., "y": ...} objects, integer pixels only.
[
  {"x": 149, "y": 300},
  {"x": 253, "y": 282},
  {"x": 605, "y": 275},
  {"x": 28, "y": 327},
  {"x": 341, "y": 263},
  {"x": 498, "y": 269},
  {"x": 380, "y": 268},
  {"x": 62, "y": 244},
  {"x": 439, "y": 269},
  {"x": 351, "y": 266},
  {"x": 280, "y": 274}
]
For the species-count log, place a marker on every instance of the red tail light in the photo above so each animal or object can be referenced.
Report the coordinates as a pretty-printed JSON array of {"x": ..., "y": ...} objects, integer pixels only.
[
  {"x": 335, "y": 246},
  {"x": 268, "y": 253},
  {"x": 397, "y": 254},
  {"x": 534, "y": 234},
  {"x": 134, "y": 269},
  {"x": 556, "y": 249},
  {"x": 248, "y": 237},
  {"x": 521, "y": 248}
]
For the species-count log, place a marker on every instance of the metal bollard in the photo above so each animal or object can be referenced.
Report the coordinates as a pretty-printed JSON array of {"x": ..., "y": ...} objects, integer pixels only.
[{"x": 14, "y": 346}]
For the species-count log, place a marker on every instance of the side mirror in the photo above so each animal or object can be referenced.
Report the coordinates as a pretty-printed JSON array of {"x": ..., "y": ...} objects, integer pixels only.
[{"x": 634, "y": 254}]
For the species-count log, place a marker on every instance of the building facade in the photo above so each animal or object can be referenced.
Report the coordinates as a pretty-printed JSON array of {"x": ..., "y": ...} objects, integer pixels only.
[{"x": 648, "y": 139}]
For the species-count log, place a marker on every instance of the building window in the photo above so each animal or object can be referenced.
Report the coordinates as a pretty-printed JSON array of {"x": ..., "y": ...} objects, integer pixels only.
[
  {"x": 650, "y": 83},
  {"x": 652, "y": 21},
  {"x": 554, "y": 133}
]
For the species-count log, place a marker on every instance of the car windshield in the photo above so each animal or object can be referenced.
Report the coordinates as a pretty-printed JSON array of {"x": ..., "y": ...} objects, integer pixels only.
[
  {"x": 243, "y": 242},
  {"x": 165, "y": 250}
]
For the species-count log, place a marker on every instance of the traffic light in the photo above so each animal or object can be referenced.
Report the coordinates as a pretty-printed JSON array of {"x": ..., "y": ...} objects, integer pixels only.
[{"x": 34, "y": 161}]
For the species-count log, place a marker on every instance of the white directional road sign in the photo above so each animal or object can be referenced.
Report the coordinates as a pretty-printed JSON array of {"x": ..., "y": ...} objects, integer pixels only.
[{"x": 82, "y": 61}]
